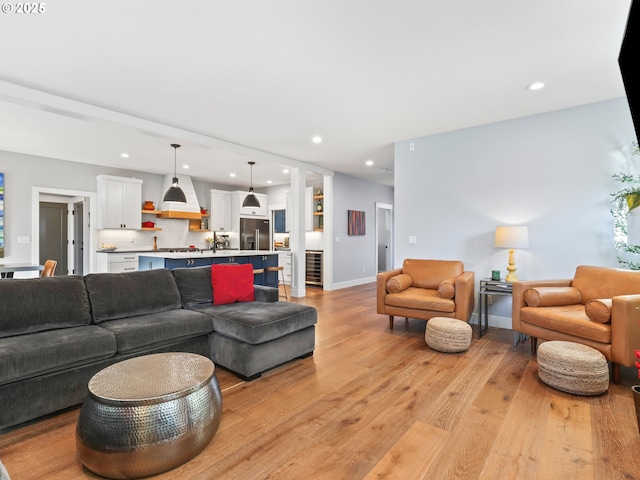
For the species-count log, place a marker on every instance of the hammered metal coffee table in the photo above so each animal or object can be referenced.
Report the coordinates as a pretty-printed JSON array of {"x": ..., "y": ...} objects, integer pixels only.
[{"x": 148, "y": 414}]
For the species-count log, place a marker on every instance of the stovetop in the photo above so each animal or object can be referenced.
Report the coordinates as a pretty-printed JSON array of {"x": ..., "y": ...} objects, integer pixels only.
[{"x": 178, "y": 249}]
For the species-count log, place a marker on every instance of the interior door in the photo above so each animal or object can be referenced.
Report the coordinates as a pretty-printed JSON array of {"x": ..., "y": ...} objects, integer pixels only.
[
  {"x": 54, "y": 235},
  {"x": 78, "y": 238}
]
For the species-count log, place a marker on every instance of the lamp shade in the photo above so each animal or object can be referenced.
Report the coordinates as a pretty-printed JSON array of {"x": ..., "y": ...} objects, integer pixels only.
[
  {"x": 251, "y": 201},
  {"x": 511, "y": 237},
  {"x": 174, "y": 193}
]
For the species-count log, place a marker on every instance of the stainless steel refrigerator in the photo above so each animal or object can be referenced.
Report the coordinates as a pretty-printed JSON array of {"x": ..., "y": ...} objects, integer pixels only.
[{"x": 254, "y": 234}]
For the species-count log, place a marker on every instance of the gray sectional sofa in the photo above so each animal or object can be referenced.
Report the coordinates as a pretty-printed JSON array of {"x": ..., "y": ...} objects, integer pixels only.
[{"x": 57, "y": 332}]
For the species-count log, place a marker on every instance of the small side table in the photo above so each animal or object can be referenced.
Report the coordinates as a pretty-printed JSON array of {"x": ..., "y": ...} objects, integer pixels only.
[{"x": 490, "y": 287}]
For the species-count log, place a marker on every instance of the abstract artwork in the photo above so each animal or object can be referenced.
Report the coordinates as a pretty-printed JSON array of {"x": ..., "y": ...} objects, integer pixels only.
[
  {"x": 356, "y": 222},
  {"x": 1, "y": 215}
]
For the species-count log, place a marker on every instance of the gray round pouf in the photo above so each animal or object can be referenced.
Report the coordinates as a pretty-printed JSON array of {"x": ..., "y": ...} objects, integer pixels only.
[
  {"x": 573, "y": 368},
  {"x": 448, "y": 334}
]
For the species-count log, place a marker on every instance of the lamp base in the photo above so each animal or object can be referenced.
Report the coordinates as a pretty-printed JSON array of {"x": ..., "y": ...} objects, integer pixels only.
[{"x": 511, "y": 268}]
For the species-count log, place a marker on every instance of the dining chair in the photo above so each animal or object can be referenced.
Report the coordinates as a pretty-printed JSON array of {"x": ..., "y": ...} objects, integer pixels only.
[{"x": 49, "y": 268}]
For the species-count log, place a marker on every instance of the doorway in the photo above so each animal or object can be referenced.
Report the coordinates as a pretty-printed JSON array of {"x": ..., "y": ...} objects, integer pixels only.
[
  {"x": 384, "y": 238},
  {"x": 80, "y": 232},
  {"x": 53, "y": 235}
]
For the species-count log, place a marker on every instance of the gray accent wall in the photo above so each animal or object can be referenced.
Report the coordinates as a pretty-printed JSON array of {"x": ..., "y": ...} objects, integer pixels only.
[
  {"x": 354, "y": 256},
  {"x": 551, "y": 172}
]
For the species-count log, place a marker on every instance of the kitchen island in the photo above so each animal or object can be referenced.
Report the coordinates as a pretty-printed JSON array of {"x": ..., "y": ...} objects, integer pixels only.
[{"x": 260, "y": 259}]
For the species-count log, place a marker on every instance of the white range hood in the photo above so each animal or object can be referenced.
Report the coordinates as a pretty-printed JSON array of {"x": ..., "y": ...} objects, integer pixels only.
[{"x": 191, "y": 207}]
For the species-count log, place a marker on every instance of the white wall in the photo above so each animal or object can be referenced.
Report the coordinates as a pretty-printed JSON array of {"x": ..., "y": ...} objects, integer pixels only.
[{"x": 551, "y": 172}]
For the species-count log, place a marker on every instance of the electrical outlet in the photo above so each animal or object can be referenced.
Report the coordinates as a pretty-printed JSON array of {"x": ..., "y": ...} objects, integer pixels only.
[
  {"x": 412, "y": 147},
  {"x": 413, "y": 240},
  {"x": 363, "y": 269}
]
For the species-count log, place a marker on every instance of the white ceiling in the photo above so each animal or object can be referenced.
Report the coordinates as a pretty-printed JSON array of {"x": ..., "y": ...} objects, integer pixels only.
[{"x": 233, "y": 81}]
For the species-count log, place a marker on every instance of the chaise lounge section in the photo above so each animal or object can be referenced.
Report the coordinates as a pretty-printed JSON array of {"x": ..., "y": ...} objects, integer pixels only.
[{"x": 57, "y": 332}]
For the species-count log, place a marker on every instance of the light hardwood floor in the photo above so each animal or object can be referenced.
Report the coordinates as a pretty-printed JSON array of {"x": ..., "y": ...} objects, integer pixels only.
[{"x": 379, "y": 404}]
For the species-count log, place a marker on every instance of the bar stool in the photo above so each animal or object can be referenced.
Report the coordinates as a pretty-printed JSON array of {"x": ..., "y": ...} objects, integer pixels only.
[{"x": 279, "y": 269}]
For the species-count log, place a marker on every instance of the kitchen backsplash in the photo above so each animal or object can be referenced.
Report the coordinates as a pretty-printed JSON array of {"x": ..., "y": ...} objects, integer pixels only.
[{"x": 174, "y": 233}]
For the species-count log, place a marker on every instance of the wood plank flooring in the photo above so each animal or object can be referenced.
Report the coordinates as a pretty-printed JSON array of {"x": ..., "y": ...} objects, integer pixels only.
[{"x": 378, "y": 404}]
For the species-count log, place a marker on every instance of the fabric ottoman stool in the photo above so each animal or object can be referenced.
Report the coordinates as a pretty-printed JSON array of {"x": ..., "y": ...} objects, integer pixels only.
[
  {"x": 573, "y": 368},
  {"x": 448, "y": 334}
]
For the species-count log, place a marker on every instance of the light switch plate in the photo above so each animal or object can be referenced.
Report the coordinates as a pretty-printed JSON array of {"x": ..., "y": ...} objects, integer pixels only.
[
  {"x": 24, "y": 239},
  {"x": 413, "y": 240}
]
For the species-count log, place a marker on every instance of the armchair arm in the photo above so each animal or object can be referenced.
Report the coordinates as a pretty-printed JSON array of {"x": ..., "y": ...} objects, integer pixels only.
[
  {"x": 381, "y": 289},
  {"x": 518, "y": 296},
  {"x": 625, "y": 329},
  {"x": 465, "y": 295}
]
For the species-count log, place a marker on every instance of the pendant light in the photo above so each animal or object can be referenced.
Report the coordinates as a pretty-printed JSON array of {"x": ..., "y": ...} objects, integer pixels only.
[
  {"x": 175, "y": 193},
  {"x": 251, "y": 200}
]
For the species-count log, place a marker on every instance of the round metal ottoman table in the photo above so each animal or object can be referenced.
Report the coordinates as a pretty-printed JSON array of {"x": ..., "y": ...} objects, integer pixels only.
[
  {"x": 448, "y": 334},
  {"x": 573, "y": 368},
  {"x": 148, "y": 414}
]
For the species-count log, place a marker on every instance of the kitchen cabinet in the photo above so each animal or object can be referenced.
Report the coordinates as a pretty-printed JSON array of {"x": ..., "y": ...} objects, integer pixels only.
[
  {"x": 220, "y": 212},
  {"x": 238, "y": 210},
  {"x": 284, "y": 261},
  {"x": 119, "y": 202},
  {"x": 262, "y": 262},
  {"x": 116, "y": 262}
]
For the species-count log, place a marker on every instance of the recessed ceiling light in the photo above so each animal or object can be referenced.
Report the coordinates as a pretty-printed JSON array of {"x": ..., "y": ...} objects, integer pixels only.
[
  {"x": 269, "y": 181},
  {"x": 185, "y": 166},
  {"x": 232, "y": 174},
  {"x": 369, "y": 163},
  {"x": 286, "y": 170},
  {"x": 124, "y": 155},
  {"x": 317, "y": 139},
  {"x": 535, "y": 86}
]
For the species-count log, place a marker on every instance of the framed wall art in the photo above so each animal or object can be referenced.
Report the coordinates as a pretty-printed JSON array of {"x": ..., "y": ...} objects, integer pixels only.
[{"x": 356, "y": 222}]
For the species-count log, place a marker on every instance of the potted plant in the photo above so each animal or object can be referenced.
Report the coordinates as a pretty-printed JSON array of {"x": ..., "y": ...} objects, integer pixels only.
[{"x": 626, "y": 216}]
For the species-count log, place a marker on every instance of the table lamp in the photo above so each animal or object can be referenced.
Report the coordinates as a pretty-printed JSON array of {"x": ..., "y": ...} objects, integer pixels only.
[{"x": 511, "y": 237}]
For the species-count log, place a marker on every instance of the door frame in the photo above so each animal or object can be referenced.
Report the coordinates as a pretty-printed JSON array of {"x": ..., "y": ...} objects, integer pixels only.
[
  {"x": 89, "y": 230},
  {"x": 384, "y": 206}
]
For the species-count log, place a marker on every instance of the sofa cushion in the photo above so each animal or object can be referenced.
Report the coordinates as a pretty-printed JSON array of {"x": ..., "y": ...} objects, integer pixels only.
[
  {"x": 447, "y": 288},
  {"x": 194, "y": 285},
  {"x": 232, "y": 283},
  {"x": 258, "y": 322},
  {"x": 121, "y": 295},
  {"x": 31, "y": 305},
  {"x": 144, "y": 332},
  {"x": 569, "y": 319},
  {"x": 422, "y": 299},
  {"x": 551, "y": 296},
  {"x": 603, "y": 282},
  {"x": 599, "y": 310},
  {"x": 25, "y": 356},
  {"x": 398, "y": 283},
  {"x": 429, "y": 273}
]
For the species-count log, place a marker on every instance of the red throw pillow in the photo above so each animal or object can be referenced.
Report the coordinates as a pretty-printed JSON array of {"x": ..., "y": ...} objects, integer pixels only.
[{"x": 232, "y": 283}]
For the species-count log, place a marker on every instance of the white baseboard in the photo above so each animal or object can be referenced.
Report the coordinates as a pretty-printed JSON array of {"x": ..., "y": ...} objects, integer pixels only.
[
  {"x": 494, "y": 321},
  {"x": 351, "y": 283}
]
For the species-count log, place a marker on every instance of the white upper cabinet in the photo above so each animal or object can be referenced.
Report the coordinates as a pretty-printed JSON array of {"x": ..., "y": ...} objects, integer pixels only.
[
  {"x": 119, "y": 202},
  {"x": 220, "y": 214}
]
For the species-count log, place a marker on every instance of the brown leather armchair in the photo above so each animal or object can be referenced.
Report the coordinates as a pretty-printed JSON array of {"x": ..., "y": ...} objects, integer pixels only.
[
  {"x": 598, "y": 307},
  {"x": 426, "y": 288}
]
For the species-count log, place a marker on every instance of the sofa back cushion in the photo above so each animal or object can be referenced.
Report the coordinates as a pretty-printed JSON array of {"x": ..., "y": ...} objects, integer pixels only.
[
  {"x": 430, "y": 273},
  {"x": 121, "y": 295},
  {"x": 603, "y": 282},
  {"x": 37, "y": 304},
  {"x": 194, "y": 285}
]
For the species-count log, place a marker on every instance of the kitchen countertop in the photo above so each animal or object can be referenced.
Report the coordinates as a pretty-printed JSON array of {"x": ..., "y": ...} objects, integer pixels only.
[{"x": 207, "y": 253}]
